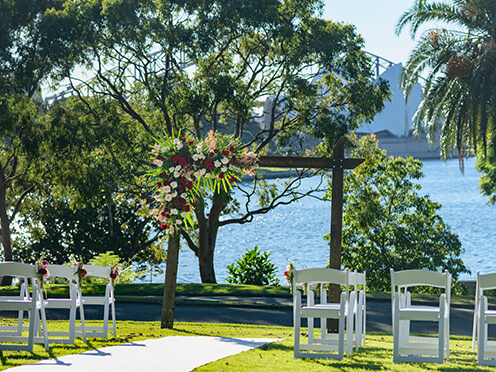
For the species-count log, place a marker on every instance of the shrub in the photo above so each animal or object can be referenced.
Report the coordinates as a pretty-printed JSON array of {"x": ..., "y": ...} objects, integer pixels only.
[{"x": 254, "y": 267}]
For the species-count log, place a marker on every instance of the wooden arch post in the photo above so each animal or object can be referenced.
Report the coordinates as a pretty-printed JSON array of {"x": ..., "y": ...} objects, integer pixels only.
[{"x": 338, "y": 163}]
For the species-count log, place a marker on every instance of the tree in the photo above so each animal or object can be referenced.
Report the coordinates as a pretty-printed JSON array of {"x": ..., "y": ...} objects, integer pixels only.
[
  {"x": 459, "y": 60},
  {"x": 31, "y": 52},
  {"x": 388, "y": 224},
  {"x": 198, "y": 66},
  {"x": 90, "y": 204}
]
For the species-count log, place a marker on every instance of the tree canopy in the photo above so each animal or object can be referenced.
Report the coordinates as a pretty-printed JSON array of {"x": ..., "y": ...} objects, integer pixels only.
[
  {"x": 458, "y": 59},
  {"x": 389, "y": 224}
]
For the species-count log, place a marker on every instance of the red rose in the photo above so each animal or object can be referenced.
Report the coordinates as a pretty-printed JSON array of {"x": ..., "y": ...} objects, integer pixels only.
[
  {"x": 211, "y": 154},
  {"x": 162, "y": 214},
  {"x": 183, "y": 201},
  {"x": 167, "y": 215},
  {"x": 191, "y": 143},
  {"x": 216, "y": 150},
  {"x": 232, "y": 149},
  {"x": 234, "y": 160},
  {"x": 166, "y": 210},
  {"x": 83, "y": 272},
  {"x": 166, "y": 183},
  {"x": 174, "y": 158},
  {"x": 163, "y": 226},
  {"x": 42, "y": 271},
  {"x": 210, "y": 167},
  {"x": 233, "y": 179},
  {"x": 162, "y": 175},
  {"x": 189, "y": 185},
  {"x": 183, "y": 139},
  {"x": 159, "y": 184},
  {"x": 187, "y": 208},
  {"x": 221, "y": 175},
  {"x": 181, "y": 161},
  {"x": 183, "y": 180},
  {"x": 176, "y": 203},
  {"x": 225, "y": 152},
  {"x": 181, "y": 189}
]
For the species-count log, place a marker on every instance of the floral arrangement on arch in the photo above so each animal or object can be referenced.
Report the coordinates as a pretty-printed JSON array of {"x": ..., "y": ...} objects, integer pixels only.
[{"x": 185, "y": 167}]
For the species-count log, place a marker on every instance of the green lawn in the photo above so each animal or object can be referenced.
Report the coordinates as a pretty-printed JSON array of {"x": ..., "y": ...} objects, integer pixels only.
[{"x": 376, "y": 355}]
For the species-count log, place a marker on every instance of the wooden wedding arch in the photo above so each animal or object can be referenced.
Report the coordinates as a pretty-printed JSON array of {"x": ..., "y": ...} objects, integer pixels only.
[{"x": 338, "y": 163}]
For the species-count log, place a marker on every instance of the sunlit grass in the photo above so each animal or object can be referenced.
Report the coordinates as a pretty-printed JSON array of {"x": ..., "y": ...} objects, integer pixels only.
[{"x": 376, "y": 355}]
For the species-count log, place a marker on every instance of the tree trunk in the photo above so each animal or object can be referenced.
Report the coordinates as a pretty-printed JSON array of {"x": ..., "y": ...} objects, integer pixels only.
[
  {"x": 169, "y": 299},
  {"x": 208, "y": 228}
]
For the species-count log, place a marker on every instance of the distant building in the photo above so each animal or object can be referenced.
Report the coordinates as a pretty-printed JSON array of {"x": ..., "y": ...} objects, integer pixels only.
[{"x": 393, "y": 125}]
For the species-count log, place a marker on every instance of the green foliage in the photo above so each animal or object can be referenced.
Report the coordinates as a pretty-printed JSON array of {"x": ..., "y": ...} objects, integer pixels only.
[
  {"x": 387, "y": 224},
  {"x": 127, "y": 273},
  {"x": 254, "y": 267}
]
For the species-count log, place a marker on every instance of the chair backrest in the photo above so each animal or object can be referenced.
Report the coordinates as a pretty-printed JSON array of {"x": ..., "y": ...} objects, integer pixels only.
[
  {"x": 98, "y": 271},
  {"x": 414, "y": 278},
  {"x": 61, "y": 271},
  {"x": 18, "y": 269},
  {"x": 357, "y": 279},
  {"x": 484, "y": 282},
  {"x": 331, "y": 276}
]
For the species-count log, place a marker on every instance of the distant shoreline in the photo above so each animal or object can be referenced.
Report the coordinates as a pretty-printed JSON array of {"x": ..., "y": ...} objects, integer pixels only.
[{"x": 266, "y": 174}]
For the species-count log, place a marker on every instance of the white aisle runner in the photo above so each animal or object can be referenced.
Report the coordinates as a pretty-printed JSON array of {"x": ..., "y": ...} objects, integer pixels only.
[{"x": 171, "y": 354}]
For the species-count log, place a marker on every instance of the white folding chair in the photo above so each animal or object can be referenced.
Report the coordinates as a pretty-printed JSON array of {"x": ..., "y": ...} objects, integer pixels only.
[
  {"x": 407, "y": 348},
  {"x": 486, "y": 349},
  {"x": 11, "y": 337},
  {"x": 359, "y": 282},
  {"x": 328, "y": 345},
  {"x": 107, "y": 301},
  {"x": 72, "y": 303}
]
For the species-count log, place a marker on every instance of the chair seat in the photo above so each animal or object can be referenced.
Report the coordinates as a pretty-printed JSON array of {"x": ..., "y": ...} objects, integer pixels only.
[{"x": 419, "y": 313}]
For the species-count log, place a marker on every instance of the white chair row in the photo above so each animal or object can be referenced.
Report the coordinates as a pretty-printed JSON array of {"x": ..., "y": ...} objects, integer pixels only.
[
  {"x": 349, "y": 313},
  {"x": 34, "y": 303}
]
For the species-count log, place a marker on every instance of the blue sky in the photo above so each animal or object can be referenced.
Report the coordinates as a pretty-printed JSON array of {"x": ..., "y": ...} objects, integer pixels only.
[{"x": 375, "y": 20}]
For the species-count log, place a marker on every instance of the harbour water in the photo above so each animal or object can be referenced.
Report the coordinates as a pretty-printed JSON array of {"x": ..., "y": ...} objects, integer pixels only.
[{"x": 295, "y": 232}]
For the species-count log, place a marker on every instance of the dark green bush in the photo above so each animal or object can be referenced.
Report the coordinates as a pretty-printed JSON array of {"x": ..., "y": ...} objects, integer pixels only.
[{"x": 254, "y": 267}]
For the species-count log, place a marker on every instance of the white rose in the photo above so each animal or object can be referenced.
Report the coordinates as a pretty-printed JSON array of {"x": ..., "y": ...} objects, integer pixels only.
[
  {"x": 179, "y": 146},
  {"x": 217, "y": 164},
  {"x": 201, "y": 156},
  {"x": 179, "y": 222},
  {"x": 176, "y": 141},
  {"x": 174, "y": 194},
  {"x": 176, "y": 174},
  {"x": 158, "y": 162},
  {"x": 199, "y": 148},
  {"x": 183, "y": 214},
  {"x": 196, "y": 157},
  {"x": 167, "y": 189},
  {"x": 225, "y": 160},
  {"x": 163, "y": 149},
  {"x": 203, "y": 171},
  {"x": 224, "y": 169},
  {"x": 168, "y": 197},
  {"x": 198, "y": 174},
  {"x": 178, "y": 168},
  {"x": 173, "y": 184},
  {"x": 184, "y": 195},
  {"x": 174, "y": 211},
  {"x": 172, "y": 169}
]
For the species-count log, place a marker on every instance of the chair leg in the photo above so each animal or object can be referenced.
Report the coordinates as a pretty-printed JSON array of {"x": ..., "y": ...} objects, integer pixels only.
[
  {"x": 105, "y": 320},
  {"x": 481, "y": 340},
  {"x": 114, "y": 326},
  {"x": 72, "y": 325},
  {"x": 83, "y": 326},
  {"x": 396, "y": 332}
]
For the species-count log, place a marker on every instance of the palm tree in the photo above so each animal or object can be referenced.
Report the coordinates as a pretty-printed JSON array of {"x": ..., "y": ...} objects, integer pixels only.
[{"x": 458, "y": 61}]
